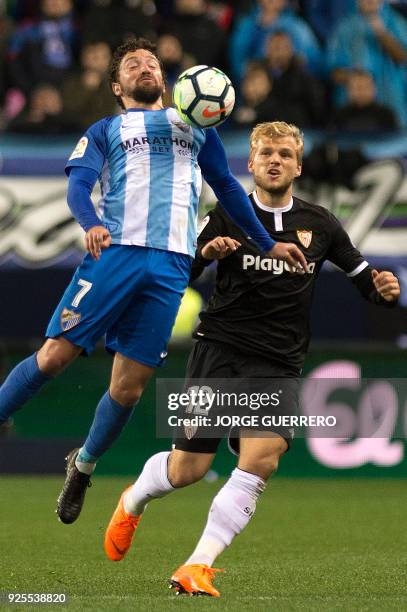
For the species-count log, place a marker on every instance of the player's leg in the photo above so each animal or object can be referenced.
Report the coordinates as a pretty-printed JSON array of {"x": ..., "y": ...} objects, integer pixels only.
[
  {"x": 261, "y": 456},
  {"x": 235, "y": 503},
  {"x": 88, "y": 306},
  {"x": 128, "y": 381},
  {"x": 139, "y": 338},
  {"x": 115, "y": 408},
  {"x": 139, "y": 341},
  {"x": 162, "y": 474},
  {"x": 96, "y": 298},
  {"x": 190, "y": 458},
  {"x": 29, "y": 376},
  {"x": 231, "y": 510}
]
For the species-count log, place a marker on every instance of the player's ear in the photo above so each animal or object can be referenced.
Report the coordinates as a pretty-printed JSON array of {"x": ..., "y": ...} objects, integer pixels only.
[
  {"x": 250, "y": 165},
  {"x": 299, "y": 170},
  {"x": 117, "y": 90}
]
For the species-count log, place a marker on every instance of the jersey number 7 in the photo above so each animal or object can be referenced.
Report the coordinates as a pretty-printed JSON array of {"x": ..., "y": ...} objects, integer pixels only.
[{"x": 86, "y": 286}]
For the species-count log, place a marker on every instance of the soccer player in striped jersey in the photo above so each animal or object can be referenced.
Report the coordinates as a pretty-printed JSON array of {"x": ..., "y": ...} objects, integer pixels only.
[
  {"x": 141, "y": 246},
  {"x": 256, "y": 326}
]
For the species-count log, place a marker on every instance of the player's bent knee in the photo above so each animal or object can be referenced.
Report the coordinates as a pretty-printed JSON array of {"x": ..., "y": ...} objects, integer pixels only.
[
  {"x": 180, "y": 478},
  {"x": 185, "y": 470},
  {"x": 270, "y": 465},
  {"x": 264, "y": 466},
  {"x": 126, "y": 384},
  {"x": 55, "y": 355},
  {"x": 125, "y": 395}
]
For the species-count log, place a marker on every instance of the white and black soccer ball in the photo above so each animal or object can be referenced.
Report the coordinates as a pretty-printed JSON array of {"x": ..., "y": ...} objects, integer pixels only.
[{"x": 203, "y": 96}]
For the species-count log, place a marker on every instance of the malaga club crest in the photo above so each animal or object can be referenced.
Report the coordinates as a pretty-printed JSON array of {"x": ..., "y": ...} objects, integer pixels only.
[
  {"x": 69, "y": 319},
  {"x": 305, "y": 237}
]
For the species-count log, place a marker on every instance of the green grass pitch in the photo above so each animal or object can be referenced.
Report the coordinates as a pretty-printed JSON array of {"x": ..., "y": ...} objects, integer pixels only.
[{"x": 313, "y": 545}]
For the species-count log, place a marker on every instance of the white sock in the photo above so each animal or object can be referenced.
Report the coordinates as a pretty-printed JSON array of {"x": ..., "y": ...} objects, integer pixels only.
[
  {"x": 86, "y": 467},
  {"x": 151, "y": 484},
  {"x": 230, "y": 512}
]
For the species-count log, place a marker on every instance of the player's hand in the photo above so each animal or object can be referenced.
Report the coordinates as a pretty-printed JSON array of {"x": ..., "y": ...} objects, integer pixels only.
[
  {"x": 289, "y": 252},
  {"x": 387, "y": 285},
  {"x": 220, "y": 247},
  {"x": 96, "y": 239}
]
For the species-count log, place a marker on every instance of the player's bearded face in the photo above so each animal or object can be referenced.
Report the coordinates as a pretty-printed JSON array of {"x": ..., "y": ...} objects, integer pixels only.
[
  {"x": 146, "y": 91},
  {"x": 274, "y": 164},
  {"x": 140, "y": 77}
]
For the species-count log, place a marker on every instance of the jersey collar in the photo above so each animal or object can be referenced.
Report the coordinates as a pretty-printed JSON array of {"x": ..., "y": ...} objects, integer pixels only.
[
  {"x": 142, "y": 110},
  {"x": 268, "y": 208}
]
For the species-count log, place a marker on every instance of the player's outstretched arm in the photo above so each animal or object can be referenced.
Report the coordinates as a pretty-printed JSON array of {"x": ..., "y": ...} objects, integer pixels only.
[
  {"x": 231, "y": 195},
  {"x": 387, "y": 285}
]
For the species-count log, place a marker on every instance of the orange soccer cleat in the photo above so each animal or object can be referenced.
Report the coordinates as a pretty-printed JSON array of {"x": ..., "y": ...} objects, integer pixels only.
[
  {"x": 120, "y": 531},
  {"x": 195, "y": 579}
]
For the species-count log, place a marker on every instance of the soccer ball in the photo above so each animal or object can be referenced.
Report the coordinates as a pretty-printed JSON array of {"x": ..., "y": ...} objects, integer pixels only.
[{"x": 203, "y": 96}]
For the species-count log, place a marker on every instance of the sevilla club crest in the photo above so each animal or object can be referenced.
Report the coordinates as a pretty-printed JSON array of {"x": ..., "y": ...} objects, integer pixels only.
[{"x": 305, "y": 237}]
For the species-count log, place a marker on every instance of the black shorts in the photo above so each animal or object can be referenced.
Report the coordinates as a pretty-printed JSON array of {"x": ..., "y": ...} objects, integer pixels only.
[{"x": 213, "y": 360}]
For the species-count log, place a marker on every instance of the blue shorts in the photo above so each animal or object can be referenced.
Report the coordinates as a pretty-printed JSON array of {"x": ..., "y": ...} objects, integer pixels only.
[{"x": 132, "y": 294}]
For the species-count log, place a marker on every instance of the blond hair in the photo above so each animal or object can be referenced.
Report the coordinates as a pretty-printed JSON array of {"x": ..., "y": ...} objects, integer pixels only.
[{"x": 277, "y": 129}]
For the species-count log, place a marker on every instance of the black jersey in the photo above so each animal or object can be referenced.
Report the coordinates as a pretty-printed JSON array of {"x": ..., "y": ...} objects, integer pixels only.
[{"x": 259, "y": 305}]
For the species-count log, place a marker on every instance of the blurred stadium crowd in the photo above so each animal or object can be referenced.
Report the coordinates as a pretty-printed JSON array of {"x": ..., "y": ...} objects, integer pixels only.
[{"x": 339, "y": 65}]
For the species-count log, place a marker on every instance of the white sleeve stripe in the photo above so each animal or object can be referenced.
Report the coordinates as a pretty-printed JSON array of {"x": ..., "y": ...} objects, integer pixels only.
[{"x": 358, "y": 270}]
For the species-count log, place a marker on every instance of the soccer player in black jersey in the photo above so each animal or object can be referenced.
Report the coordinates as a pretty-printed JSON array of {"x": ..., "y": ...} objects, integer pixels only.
[{"x": 255, "y": 326}]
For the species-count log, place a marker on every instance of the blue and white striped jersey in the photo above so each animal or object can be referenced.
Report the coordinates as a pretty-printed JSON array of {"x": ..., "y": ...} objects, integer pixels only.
[{"x": 147, "y": 163}]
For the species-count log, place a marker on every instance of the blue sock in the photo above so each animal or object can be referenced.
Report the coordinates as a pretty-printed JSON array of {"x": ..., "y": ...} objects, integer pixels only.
[
  {"x": 20, "y": 385},
  {"x": 110, "y": 418}
]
